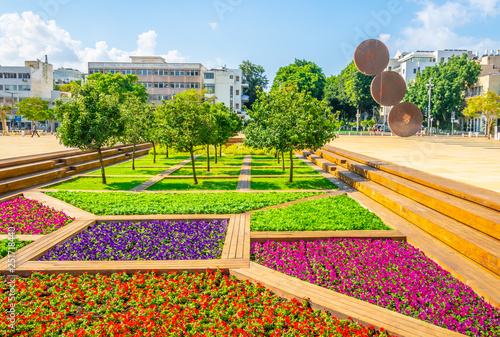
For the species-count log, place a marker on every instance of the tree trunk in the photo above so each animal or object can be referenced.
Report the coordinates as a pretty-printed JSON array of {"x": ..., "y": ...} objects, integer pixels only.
[
  {"x": 283, "y": 160},
  {"x": 215, "y": 153},
  {"x": 167, "y": 152},
  {"x": 4, "y": 124},
  {"x": 489, "y": 122},
  {"x": 278, "y": 155},
  {"x": 192, "y": 164},
  {"x": 291, "y": 166},
  {"x": 154, "y": 152},
  {"x": 102, "y": 166},
  {"x": 220, "y": 150},
  {"x": 51, "y": 126},
  {"x": 133, "y": 158},
  {"x": 208, "y": 158}
]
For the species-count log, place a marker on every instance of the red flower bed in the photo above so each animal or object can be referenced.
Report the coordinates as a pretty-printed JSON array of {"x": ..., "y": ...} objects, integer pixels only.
[{"x": 172, "y": 304}]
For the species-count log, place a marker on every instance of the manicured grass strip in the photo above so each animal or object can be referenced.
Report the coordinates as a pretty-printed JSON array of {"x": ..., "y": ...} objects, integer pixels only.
[
  {"x": 280, "y": 183},
  {"x": 219, "y": 163},
  {"x": 95, "y": 184},
  {"x": 256, "y": 163},
  {"x": 223, "y": 158},
  {"x": 161, "y": 164},
  {"x": 179, "y": 203},
  {"x": 150, "y": 240},
  {"x": 187, "y": 171},
  {"x": 390, "y": 274},
  {"x": 188, "y": 185},
  {"x": 339, "y": 213},
  {"x": 270, "y": 171},
  {"x": 7, "y": 246},
  {"x": 179, "y": 157},
  {"x": 174, "y": 304},
  {"x": 258, "y": 157},
  {"x": 122, "y": 171},
  {"x": 30, "y": 217}
]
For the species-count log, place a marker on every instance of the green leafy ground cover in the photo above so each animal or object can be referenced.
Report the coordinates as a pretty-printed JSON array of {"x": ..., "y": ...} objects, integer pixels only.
[
  {"x": 223, "y": 158},
  {"x": 6, "y": 246},
  {"x": 179, "y": 157},
  {"x": 240, "y": 149},
  {"x": 122, "y": 171},
  {"x": 327, "y": 214},
  {"x": 270, "y": 171},
  {"x": 275, "y": 163},
  {"x": 188, "y": 171},
  {"x": 279, "y": 183},
  {"x": 219, "y": 163},
  {"x": 179, "y": 203},
  {"x": 95, "y": 184},
  {"x": 188, "y": 185}
]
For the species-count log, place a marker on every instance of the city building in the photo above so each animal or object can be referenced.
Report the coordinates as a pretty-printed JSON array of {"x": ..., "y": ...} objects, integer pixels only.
[
  {"x": 161, "y": 79},
  {"x": 227, "y": 86},
  {"x": 35, "y": 79},
  {"x": 66, "y": 76}
]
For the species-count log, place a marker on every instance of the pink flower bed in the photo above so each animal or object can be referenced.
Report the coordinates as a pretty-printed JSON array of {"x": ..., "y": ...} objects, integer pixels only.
[
  {"x": 391, "y": 274},
  {"x": 30, "y": 217}
]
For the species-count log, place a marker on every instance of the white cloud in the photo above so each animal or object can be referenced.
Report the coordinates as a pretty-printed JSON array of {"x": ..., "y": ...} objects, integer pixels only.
[
  {"x": 487, "y": 7},
  {"x": 28, "y": 37},
  {"x": 384, "y": 37},
  {"x": 435, "y": 27},
  {"x": 213, "y": 25}
]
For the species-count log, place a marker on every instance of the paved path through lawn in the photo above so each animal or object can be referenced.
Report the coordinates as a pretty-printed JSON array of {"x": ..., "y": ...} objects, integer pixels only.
[
  {"x": 244, "y": 181},
  {"x": 160, "y": 176}
]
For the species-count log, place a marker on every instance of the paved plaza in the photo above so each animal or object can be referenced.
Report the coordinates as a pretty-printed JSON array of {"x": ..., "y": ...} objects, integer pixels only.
[
  {"x": 19, "y": 146},
  {"x": 474, "y": 161}
]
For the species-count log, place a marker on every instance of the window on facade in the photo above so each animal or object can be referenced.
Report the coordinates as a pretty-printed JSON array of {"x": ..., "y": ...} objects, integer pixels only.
[
  {"x": 24, "y": 88},
  {"x": 192, "y": 72},
  {"x": 193, "y": 85},
  {"x": 209, "y": 76},
  {"x": 128, "y": 71},
  {"x": 9, "y": 75},
  {"x": 231, "y": 77},
  {"x": 112, "y": 71},
  {"x": 144, "y": 72},
  {"x": 237, "y": 92},
  {"x": 24, "y": 76},
  {"x": 160, "y": 85},
  {"x": 159, "y": 72},
  {"x": 177, "y": 73},
  {"x": 237, "y": 78},
  {"x": 147, "y": 84},
  {"x": 414, "y": 71},
  {"x": 94, "y": 71},
  {"x": 210, "y": 87},
  {"x": 1, "y": 87},
  {"x": 10, "y": 87},
  {"x": 237, "y": 105}
]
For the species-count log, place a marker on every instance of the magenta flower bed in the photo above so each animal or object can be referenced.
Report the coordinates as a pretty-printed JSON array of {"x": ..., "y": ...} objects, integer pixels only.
[
  {"x": 30, "y": 217},
  {"x": 391, "y": 274}
]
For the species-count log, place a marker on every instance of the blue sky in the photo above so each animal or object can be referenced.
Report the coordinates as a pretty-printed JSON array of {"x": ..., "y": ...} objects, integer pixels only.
[{"x": 225, "y": 32}]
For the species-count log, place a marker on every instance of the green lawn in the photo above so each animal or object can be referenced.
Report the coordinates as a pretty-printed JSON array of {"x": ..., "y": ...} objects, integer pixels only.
[
  {"x": 188, "y": 185},
  {"x": 269, "y": 171},
  {"x": 178, "y": 157},
  {"x": 122, "y": 171},
  {"x": 227, "y": 157},
  {"x": 95, "y": 184},
  {"x": 159, "y": 163},
  {"x": 259, "y": 157},
  {"x": 188, "y": 171},
  {"x": 319, "y": 183},
  {"x": 219, "y": 163},
  {"x": 296, "y": 163},
  {"x": 327, "y": 214}
]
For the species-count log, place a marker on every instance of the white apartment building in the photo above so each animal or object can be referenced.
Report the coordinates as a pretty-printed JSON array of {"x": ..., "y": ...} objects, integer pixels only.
[
  {"x": 227, "y": 86},
  {"x": 35, "y": 79},
  {"x": 67, "y": 75}
]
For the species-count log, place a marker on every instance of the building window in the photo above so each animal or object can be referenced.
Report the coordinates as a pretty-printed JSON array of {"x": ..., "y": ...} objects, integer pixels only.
[
  {"x": 177, "y": 85},
  {"x": 237, "y": 105},
  {"x": 24, "y": 76},
  {"x": 210, "y": 87},
  {"x": 9, "y": 75},
  {"x": 1, "y": 87},
  {"x": 237, "y": 92},
  {"x": 231, "y": 77},
  {"x": 209, "y": 76},
  {"x": 414, "y": 70},
  {"x": 95, "y": 71},
  {"x": 147, "y": 84},
  {"x": 237, "y": 78},
  {"x": 177, "y": 73},
  {"x": 128, "y": 71},
  {"x": 144, "y": 72},
  {"x": 160, "y": 85},
  {"x": 112, "y": 71},
  {"x": 159, "y": 97},
  {"x": 159, "y": 72},
  {"x": 10, "y": 87},
  {"x": 192, "y": 73},
  {"x": 192, "y": 85},
  {"x": 24, "y": 87}
]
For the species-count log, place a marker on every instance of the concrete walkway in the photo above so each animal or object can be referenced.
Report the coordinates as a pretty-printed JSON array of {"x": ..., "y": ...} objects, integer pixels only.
[{"x": 474, "y": 161}]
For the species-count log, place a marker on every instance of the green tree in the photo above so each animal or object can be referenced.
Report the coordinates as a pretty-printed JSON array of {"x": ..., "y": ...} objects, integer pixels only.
[
  {"x": 186, "y": 116},
  {"x": 135, "y": 115},
  {"x": 90, "y": 120},
  {"x": 163, "y": 130},
  {"x": 357, "y": 88},
  {"x": 227, "y": 124},
  {"x": 120, "y": 85},
  {"x": 488, "y": 105},
  {"x": 5, "y": 108},
  {"x": 289, "y": 120},
  {"x": 35, "y": 109},
  {"x": 305, "y": 74},
  {"x": 451, "y": 81},
  {"x": 71, "y": 87},
  {"x": 253, "y": 75},
  {"x": 336, "y": 98}
]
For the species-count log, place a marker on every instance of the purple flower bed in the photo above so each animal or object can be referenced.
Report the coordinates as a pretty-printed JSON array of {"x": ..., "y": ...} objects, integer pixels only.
[
  {"x": 30, "y": 217},
  {"x": 152, "y": 240},
  {"x": 391, "y": 274}
]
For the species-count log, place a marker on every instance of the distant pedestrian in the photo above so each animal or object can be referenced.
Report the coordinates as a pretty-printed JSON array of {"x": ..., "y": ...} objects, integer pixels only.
[{"x": 35, "y": 131}]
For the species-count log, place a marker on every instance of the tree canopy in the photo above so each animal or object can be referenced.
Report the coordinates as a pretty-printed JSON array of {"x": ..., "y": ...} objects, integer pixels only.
[
  {"x": 33, "y": 109},
  {"x": 488, "y": 105},
  {"x": 253, "y": 75},
  {"x": 119, "y": 85},
  {"x": 305, "y": 74},
  {"x": 451, "y": 81}
]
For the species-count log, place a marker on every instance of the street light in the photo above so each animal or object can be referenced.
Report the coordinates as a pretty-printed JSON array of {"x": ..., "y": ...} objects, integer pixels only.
[{"x": 430, "y": 86}]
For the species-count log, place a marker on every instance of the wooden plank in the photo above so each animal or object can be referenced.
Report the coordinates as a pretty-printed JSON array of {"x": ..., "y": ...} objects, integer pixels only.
[
  {"x": 22, "y": 237},
  {"x": 246, "y": 244},
  {"x": 20, "y": 170},
  {"x": 59, "y": 205},
  {"x": 10, "y": 197},
  {"x": 110, "y": 267},
  {"x": 234, "y": 238},
  {"x": 27, "y": 181},
  {"x": 229, "y": 237},
  {"x": 325, "y": 235},
  {"x": 172, "y": 217},
  {"x": 241, "y": 237},
  {"x": 340, "y": 305},
  {"x": 244, "y": 178}
]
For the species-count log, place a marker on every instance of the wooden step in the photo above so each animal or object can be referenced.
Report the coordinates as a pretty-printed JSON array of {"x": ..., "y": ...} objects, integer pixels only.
[
  {"x": 20, "y": 170},
  {"x": 82, "y": 158},
  {"x": 478, "y": 247},
  {"x": 30, "y": 180},
  {"x": 468, "y": 192}
]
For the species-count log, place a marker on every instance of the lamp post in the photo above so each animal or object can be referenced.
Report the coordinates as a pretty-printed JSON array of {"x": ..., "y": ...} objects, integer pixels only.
[{"x": 429, "y": 85}]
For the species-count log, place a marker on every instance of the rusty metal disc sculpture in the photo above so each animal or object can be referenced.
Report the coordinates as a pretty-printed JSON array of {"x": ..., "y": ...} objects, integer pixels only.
[
  {"x": 405, "y": 119},
  {"x": 388, "y": 88},
  {"x": 371, "y": 57}
]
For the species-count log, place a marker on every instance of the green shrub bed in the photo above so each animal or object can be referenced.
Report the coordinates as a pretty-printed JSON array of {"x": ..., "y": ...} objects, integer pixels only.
[
  {"x": 187, "y": 184},
  {"x": 124, "y": 171},
  {"x": 188, "y": 171},
  {"x": 281, "y": 183},
  {"x": 95, "y": 184},
  {"x": 179, "y": 203},
  {"x": 326, "y": 214},
  {"x": 276, "y": 171}
]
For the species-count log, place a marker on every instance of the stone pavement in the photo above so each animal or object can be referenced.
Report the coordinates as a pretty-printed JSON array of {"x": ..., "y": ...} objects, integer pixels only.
[
  {"x": 474, "y": 161},
  {"x": 18, "y": 146}
]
